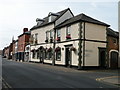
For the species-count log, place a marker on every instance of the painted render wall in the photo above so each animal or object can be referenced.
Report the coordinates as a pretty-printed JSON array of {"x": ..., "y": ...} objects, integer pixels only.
[
  {"x": 74, "y": 32},
  {"x": 36, "y": 47},
  {"x": 42, "y": 32},
  {"x": 91, "y": 48},
  {"x": 95, "y": 32},
  {"x": 74, "y": 54},
  {"x": 92, "y": 53},
  {"x": 41, "y": 39}
]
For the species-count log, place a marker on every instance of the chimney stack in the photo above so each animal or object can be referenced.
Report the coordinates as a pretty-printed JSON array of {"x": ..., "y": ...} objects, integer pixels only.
[{"x": 25, "y": 30}]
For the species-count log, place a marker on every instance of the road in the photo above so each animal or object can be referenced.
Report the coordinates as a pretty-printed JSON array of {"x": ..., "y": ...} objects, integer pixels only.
[{"x": 36, "y": 75}]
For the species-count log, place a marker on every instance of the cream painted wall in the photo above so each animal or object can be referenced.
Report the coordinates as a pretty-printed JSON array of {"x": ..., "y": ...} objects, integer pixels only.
[
  {"x": 95, "y": 32},
  {"x": 36, "y": 47},
  {"x": 73, "y": 31},
  {"x": 92, "y": 53},
  {"x": 42, "y": 32},
  {"x": 74, "y": 54}
]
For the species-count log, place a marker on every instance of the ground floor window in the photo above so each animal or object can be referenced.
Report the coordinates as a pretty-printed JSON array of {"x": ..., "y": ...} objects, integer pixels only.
[
  {"x": 38, "y": 54},
  {"x": 58, "y": 53},
  {"x": 35, "y": 54},
  {"x": 48, "y": 54}
]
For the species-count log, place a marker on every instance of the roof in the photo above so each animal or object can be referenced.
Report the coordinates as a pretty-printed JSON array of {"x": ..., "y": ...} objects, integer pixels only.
[
  {"x": 81, "y": 17},
  {"x": 46, "y": 22},
  {"x": 112, "y": 33}
]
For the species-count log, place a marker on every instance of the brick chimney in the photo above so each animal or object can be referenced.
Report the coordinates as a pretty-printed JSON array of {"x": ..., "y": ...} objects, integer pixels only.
[{"x": 25, "y": 30}]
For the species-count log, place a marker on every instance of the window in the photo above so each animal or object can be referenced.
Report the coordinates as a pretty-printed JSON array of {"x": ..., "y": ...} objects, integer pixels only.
[
  {"x": 51, "y": 34},
  {"x": 68, "y": 30},
  {"x": 48, "y": 54},
  {"x": 47, "y": 35},
  {"x": 58, "y": 33},
  {"x": 114, "y": 41},
  {"x": 68, "y": 35},
  {"x": 58, "y": 55},
  {"x": 36, "y": 36}
]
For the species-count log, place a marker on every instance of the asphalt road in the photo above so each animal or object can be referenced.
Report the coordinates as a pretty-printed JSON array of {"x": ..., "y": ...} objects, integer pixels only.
[{"x": 35, "y": 75}]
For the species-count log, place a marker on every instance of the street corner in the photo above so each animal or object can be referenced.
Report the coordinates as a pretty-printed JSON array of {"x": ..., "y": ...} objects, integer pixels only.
[{"x": 114, "y": 80}]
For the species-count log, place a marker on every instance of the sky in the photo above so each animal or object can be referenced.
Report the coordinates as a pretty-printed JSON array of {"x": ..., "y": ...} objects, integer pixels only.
[{"x": 18, "y": 14}]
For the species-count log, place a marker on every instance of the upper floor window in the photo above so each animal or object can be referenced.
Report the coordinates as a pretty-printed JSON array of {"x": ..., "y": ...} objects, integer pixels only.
[
  {"x": 36, "y": 36},
  {"x": 68, "y": 33},
  {"x": 51, "y": 34},
  {"x": 47, "y": 35},
  {"x": 114, "y": 40},
  {"x": 68, "y": 29},
  {"x": 58, "y": 33}
]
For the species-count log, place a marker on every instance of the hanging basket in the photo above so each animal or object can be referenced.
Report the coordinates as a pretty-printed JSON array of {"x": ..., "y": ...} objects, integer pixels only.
[
  {"x": 46, "y": 40},
  {"x": 58, "y": 38},
  {"x": 68, "y": 37},
  {"x": 73, "y": 49},
  {"x": 49, "y": 50},
  {"x": 57, "y": 49}
]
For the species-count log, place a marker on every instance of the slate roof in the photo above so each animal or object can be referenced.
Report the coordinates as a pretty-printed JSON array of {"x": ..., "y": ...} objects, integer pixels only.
[
  {"x": 112, "y": 33},
  {"x": 81, "y": 17},
  {"x": 46, "y": 19}
]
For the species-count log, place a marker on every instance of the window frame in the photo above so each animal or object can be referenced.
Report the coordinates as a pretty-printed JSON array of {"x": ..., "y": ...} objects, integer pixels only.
[
  {"x": 68, "y": 30},
  {"x": 57, "y": 55},
  {"x": 59, "y": 34}
]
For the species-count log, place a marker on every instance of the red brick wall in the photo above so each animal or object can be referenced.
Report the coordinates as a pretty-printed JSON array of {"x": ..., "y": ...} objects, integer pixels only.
[
  {"x": 13, "y": 47},
  {"x": 22, "y": 40},
  {"x": 111, "y": 43}
]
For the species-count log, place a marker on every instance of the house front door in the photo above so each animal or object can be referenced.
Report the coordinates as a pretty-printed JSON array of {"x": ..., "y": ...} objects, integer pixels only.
[
  {"x": 68, "y": 56},
  {"x": 41, "y": 56},
  {"x": 102, "y": 57},
  {"x": 114, "y": 60}
]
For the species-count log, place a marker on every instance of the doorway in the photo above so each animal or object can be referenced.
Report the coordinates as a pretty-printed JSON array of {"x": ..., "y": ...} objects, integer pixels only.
[
  {"x": 102, "y": 57},
  {"x": 114, "y": 60},
  {"x": 41, "y": 56},
  {"x": 68, "y": 56}
]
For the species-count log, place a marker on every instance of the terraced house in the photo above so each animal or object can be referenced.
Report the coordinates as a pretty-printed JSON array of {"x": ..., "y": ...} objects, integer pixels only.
[
  {"x": 42, "y": 36},
  {"x": 65, "y": 39}
]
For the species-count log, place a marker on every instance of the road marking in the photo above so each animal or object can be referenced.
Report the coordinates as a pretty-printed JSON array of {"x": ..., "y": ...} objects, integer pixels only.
[
  {"x": 102, "y": 79},
  {"x": 6, "y": 84}
]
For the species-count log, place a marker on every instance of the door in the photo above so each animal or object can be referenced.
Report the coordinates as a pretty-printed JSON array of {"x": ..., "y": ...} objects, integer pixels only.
[
  {"x": 102, "y": 57},
  {"x": 67, "y": 57},
  {"x": 41, "y": 56},
  {"x": 114, "y": 59}
]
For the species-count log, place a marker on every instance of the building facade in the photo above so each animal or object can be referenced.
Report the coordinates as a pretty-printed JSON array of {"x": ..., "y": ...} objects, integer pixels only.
[
  {"x": 72, "y": 41},
  {"x": 113, "y": 47},
  {"x": 42, "y": 36},
  {"x": 23, "y": 40}
]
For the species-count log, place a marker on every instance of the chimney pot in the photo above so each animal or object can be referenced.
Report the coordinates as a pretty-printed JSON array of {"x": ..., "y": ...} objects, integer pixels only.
[{"x": 25, "y": 30}]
